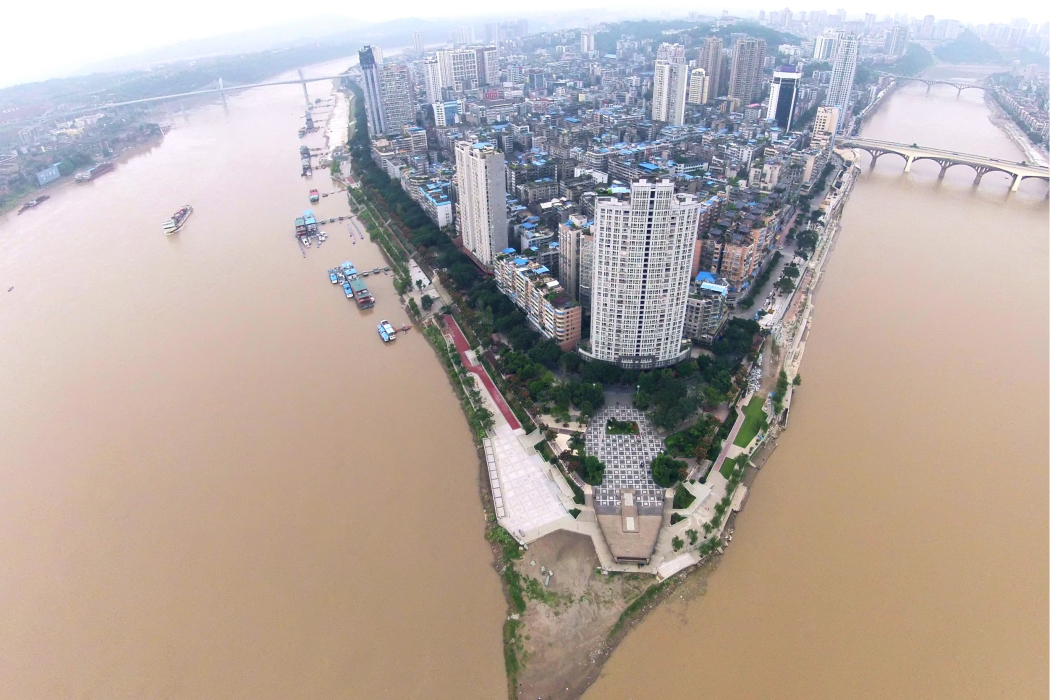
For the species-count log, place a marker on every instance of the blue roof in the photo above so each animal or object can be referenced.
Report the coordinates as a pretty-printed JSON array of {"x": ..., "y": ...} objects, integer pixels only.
[
  {"x": 508, "y": 251},
  {"x": 528, "y": 225},
  {"x": 706, "y": 277},
  {"x": 541, "y": 270},
  {"x": 521, "y": 262}
]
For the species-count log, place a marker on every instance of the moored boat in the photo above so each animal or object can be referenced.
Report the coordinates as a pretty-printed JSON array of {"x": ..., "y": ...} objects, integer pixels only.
[
  {"x": 334, "y": 276},
  {"x": 348, "y": 290},
  {"x": 391, "y": 331},
  {"x": 314, "y": 196}
]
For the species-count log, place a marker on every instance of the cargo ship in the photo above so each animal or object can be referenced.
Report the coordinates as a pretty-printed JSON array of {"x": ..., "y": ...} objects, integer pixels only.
[
  {"x": 314, "y": 196},
  {"x": 177, "y": 221},
  {"x": 91, "y": 174},
  {"x": 34, "y": 202}
]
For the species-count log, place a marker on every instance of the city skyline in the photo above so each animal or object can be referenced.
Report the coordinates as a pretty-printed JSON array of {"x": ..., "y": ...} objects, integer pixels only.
[{"x": 83, "y": 36}]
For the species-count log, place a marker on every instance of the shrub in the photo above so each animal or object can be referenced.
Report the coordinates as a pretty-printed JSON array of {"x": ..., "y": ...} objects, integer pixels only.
[{"x": 667, "y": 471}]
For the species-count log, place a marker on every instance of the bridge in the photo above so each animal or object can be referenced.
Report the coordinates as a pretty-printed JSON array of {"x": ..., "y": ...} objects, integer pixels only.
[
  {"x": 222, "y": 90},
  {"x": 947, "y": 159},
  {"x": 930, "y": 82}
]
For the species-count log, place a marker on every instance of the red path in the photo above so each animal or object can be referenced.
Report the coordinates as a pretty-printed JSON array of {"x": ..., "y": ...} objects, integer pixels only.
[{"x": 462, "y": 346}]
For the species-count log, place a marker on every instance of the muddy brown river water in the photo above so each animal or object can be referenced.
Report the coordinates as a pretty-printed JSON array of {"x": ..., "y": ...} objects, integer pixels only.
[
  {"x": 895, "y": 545},
  {"x": 215, "y": 479}
]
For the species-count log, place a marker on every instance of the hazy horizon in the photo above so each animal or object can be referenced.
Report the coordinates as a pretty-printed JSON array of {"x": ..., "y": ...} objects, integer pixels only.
[{"x": 80, "y": 37}]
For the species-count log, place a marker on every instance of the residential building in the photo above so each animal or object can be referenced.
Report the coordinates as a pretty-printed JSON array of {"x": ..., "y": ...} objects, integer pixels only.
[
  {"x": 445, "y": 113},
  {"x": 825, "y": 123},
  {"x": 710, "y": 59},
  {"x": 482, "y": 206},
  {"x": 417, "y": 42},
  {"x": 842, "y": 72},
  {"x": 574, "y": 241},
  {"x": 488, "y": 65},
  {"x": 459, "y": 69},
  {"x": 783, "y": 92},
  {"x": 824, "y": 45},
  {"x": 745, "y": 77},
  {"x": 698, "y": 87},
  {"x": 896, "y": 40},
  {"x": 643, "y": 245},
  {"x": 586, "y": 42},
  {"x": 707, "y": 309},
  {"x": 535, "y": 291},
  {"x": 388, "y": 94},
  {"x": 671, "y": 53},
  {"x": 670, "y": 86},
  {"x": 926, "y": 32},
  {"x": 432, "y": 80}
]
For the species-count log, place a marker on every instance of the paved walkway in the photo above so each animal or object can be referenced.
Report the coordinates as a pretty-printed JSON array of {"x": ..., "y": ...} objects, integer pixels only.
[
  {"x": 728, "y": 444},
  {"x": 462, "y": 346}
]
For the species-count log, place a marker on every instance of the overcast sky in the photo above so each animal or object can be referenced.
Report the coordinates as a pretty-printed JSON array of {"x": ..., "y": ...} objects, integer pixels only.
[{"x": 60, "y": 37}]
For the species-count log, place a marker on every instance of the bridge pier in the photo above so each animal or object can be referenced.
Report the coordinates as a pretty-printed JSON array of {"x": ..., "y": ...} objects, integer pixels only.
[
  {"x": 944, "y": 169},
  {"x": 907, "y": 165},
  {"x": 1017, "y": 182},
  {"x": 222, "y": 94},
  {"x": 977, "y": 180},
  {"x": 302, "y": 81}
]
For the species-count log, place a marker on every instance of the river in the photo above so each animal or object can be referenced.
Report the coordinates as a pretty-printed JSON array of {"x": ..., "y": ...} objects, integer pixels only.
[
  {"x": 895, "y": 544},
  {"x": 215, "y": 480}
]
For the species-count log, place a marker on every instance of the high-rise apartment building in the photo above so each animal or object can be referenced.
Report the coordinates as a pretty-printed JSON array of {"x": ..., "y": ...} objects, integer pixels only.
[
  {"x": 586, "y": 42},
  {"x": 671, "y": 53},
  {"x": 417, "y": 42},
  {"x": 482, "y": 206},
  {"x": 783, "y": 92},
  {"x": 670, "y": 86},
  {"x": 432, "y": 79},
  {"x": 926, "y": 32},
  {"x": 388, "y": 94},
  {"x": 710, "y": 59},
  {"x": 643, "y": 248},
  {"x": 842, "y": 72},
  {"x": 896, "y": 40},
  {"x": 699, "y": 85},
  {"x": 824, "y": 46},
  {"x": 459, "y": 69},
  {"x": 487, "y": 65},
  {"x": 745, "y": 77}
]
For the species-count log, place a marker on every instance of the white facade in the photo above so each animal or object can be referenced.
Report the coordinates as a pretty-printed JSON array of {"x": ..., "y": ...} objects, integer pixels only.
[
  {"x": 824, "y": 46},
  {"x": 586, "y": 42},
  {"x": 481, "y": 176},
  {"x": 842, "y": 72},
  {"x": 399, "y": 108},
  {"x": 670, "y": 85},
  {"x": 643, "y": 251},
  {"x": 459, "y": 69},
  {"x": 672, "y": 53},
  {"x": 825, "y": 124},
  {"x": 432, "y": 79},
  {"x": 698, "y": 87}
]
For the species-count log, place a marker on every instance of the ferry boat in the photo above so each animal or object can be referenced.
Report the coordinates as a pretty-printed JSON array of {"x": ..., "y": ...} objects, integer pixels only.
[
  {"x": 314, "y": 196},
  {"x": 391, "y": 331},
  {"x": 332, "y": 275},
  {"x": 177, "y": 221},
  {"x": 348, "y": 268}
]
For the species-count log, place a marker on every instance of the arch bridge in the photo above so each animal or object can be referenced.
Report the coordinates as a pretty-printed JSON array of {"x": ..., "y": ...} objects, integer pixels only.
[
  {"x": 930, "y": 82},
  {"x": 947, "y": 159}
]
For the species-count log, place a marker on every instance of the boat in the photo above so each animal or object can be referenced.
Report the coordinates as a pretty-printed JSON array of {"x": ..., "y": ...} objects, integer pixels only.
[
  {"x": 91, "y": 174},
  {"x": 362, "y": 296},
  {"x": 348, "y": 290},
  {"x": 177, "y": 221},
  {"x": 366, "y": 273},
  {"x": 34, "y": 202},
  {"x": 348, "y": 268},
  {"x": 391, "y": 331},
  {"x": 334, "y": 276},
  {"x": 375, "y": 270},
  {"x": 314, "y": 196}
]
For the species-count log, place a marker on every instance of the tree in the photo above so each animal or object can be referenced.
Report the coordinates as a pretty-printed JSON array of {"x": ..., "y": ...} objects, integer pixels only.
[
  {"x": 593, "y": 470},
  {"x": 426, "y": 302},
  {"x": 677, "y": 543},
  {"x": 693, "y": 536},
  {"x": 797, "y": 380},
  {"x": 667, "y": 471}
]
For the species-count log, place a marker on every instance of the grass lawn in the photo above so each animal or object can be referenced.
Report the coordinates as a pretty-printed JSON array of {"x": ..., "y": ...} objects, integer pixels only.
[
  {"x": 754, "y": 421},
  {"x": 726, "y": 469}
]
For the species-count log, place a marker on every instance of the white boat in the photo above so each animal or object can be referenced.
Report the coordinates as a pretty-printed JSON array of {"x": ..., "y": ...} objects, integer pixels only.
[
  {"x": 176, "y": 222},
  {"x": 390, "y": 330}
]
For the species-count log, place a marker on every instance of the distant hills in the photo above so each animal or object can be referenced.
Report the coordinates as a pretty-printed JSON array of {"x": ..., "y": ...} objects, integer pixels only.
[{"x": 968, "y": 48}]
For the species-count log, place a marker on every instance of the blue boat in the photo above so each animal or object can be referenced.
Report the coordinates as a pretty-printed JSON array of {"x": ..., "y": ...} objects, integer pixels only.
[
  {"x": 334, "y": 277},
  {"x": 348, "y": 290},
  {"x": 348, "y": 268},
  {"x": 383, "y": 334}
]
